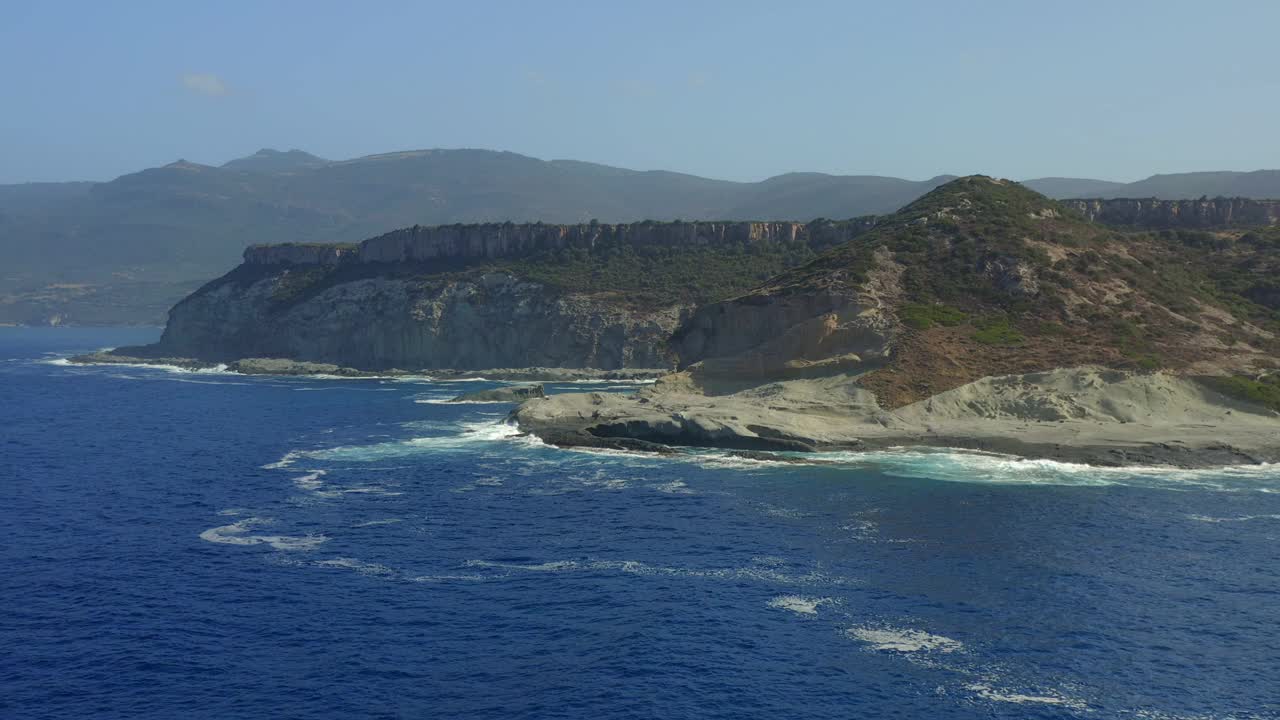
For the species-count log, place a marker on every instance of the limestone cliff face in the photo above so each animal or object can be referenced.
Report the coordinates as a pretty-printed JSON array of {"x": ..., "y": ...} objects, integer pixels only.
[
  {"x": 492, "y": 321},
  {"x": 300, "y": 254},
  {"x": 1187, "y": 214},
  {"x": 498, "y": 240},
  {"x": 389, "y": 302}
]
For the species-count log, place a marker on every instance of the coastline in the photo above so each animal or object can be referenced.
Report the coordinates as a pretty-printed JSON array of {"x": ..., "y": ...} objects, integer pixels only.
[
  {"x": 1088, "y": 415},
  {"x": 1111, "y": 423},
  {"x": 296, "y": 368}
]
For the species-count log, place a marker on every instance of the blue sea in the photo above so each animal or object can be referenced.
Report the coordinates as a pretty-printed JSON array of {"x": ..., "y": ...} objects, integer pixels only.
[{"x": 206, "y": 545}]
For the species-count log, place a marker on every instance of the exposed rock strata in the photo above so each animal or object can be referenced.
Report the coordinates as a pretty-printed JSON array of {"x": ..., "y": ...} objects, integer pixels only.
[
  {"x": 1093, "y": 415},
  {"x": 772, "y": 334},
  {"x": 421, "y": 244},
  {"x": 1188, "y": 214},
  {"x": 376, "y": 323},
  {"x": 390, "y": 302},
  {"x": 300, "y": 254}
]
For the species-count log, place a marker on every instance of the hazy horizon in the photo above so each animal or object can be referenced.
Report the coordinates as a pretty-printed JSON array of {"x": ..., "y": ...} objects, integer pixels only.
[
  {"x": 737, "y": 91},
  {"x": 219, "y": 163}
]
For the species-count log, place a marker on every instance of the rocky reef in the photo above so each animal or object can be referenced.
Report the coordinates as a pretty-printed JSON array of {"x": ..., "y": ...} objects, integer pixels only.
[{"x": 1179, "y": 214}]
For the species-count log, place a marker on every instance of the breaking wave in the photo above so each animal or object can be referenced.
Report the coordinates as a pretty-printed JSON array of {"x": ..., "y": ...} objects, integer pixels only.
[
  {"x": 799, "y": 604},
  {"x": 471, "y": 434},
  {"x": 239, "y": 533},
  {"x": 971, "y": 466},
  {"x": 899, "y": 640}
]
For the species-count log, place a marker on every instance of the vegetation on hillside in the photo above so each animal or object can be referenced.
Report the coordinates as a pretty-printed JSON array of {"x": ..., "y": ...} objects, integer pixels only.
[
  {"x": 923, "y": 317},
  {"x": 660, "y": 276},
  {"x": 634, "y": 274},
  {"x": 995, "y": 278},
  {"x": 1264, "y": 391}
]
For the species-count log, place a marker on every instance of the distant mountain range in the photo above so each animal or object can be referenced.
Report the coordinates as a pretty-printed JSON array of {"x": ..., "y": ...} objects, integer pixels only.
[{"x": 163, "y": 230}]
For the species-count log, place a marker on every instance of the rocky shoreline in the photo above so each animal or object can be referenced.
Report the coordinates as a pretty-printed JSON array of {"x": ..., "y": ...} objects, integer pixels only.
[
  {"x": 1086, "y": 416},
  {"x": 1155, "y": 454},
  {"x": 285, "y": 367}
]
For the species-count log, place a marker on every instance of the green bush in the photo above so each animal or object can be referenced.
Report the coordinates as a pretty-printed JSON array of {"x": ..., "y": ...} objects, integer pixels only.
[
  {"x": 660, "y": 275},
  {"x": 923, "y": 317},
  {"x": 1265, "y": 392},
  {"x": 998, "y": 332}
]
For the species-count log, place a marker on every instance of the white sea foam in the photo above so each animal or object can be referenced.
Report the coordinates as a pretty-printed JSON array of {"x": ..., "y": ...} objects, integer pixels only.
[
  {"x": 969, "y": 466},
  {"x": 862, "y": 528},
  {"x": 310, "y": 481},
  {"x": 800, "y": 604},
  {"x": 450, "y": 401},
  {"x": 1150, "y": 714},
  {"x": 237, "y": 533},
  {"x": 986, "y": 692},
  {"x": 972, "y": 466},
  {"x": 450, "y": 578},
  {"x": 357, "y": 490},
  {"x": 904, "y": 641},
  {"x": 779, "y": 512},
  {"x": 360, "y": 566},
  {"x": 471, "y": 434},
  {"x": 217, "y": 369},
  {"x": 285, "y": 461},
  {"x": 675, "y": 487},
  {"x": 372, "y": 523},
  {"x": 1241, "y": 518},
  {"x": 756, "y": 572},
  {"x": 552, "y": 566},
  {"x": 715, "y": 459}
]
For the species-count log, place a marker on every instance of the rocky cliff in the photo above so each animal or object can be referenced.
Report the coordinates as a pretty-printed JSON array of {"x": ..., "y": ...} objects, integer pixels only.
[
  {"x": 480, "y": 296},
  {"x": 491, "y": 321},
  {"x": 488, "y": 241},
  {"x": 1185, "y": 214},
  {"x": 981, "y": 277},
  {"x": 994, "y": 273}
]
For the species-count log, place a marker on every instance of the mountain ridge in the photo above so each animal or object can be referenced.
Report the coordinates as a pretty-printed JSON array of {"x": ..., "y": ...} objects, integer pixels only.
[{"x": 179, "y": 224}]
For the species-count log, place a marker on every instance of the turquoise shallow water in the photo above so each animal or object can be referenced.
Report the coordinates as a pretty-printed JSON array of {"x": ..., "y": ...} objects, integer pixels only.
[{"x": 208, "y": 545}]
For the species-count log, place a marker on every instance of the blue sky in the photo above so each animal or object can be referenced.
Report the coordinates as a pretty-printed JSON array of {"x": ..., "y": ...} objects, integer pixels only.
[{"x": 739, "y": 90}]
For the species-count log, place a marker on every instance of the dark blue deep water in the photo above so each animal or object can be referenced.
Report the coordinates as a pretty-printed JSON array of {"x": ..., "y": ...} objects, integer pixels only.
[{"x": 203, "y": 545}]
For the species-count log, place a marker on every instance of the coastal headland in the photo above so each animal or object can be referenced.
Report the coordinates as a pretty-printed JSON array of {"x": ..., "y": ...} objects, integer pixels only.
[{"x": 982, "y": 316}]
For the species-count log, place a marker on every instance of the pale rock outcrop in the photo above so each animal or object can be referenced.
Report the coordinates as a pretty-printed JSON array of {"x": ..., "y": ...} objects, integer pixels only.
[
  {"x": 1186, "y": 214},
  {"x": 419, "y": 244},
  {"x": 300, "y": 254},
  {"x": 496, "y": 320}
]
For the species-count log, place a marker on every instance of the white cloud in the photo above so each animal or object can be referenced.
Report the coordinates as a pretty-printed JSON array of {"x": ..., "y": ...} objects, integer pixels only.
[{"x": 205, "y": 84}]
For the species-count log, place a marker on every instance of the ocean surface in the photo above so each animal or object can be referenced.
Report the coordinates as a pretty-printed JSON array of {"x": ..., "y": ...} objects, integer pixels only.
[{"x": 205, "y": 545}]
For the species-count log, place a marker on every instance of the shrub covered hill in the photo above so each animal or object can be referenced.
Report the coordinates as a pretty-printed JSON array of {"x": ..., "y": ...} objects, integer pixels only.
[
  {"x": 979, "y": 277},
  {"x": 984, "y": 277}
]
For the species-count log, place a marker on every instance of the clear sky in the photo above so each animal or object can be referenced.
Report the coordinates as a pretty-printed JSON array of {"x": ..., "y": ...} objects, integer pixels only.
[{"x": 734, "y": 89}]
